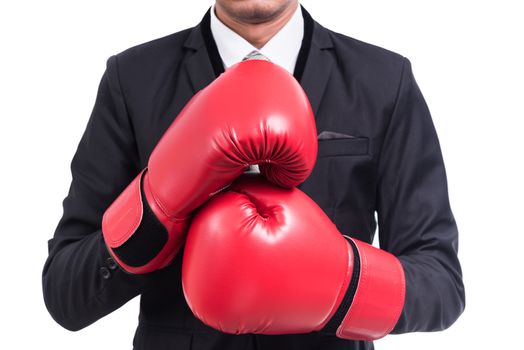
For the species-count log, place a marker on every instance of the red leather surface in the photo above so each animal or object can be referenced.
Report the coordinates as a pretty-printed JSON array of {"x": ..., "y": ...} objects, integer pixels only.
[
  {"x": 379, "y": 297},
  {"x": 254, "y": 113},
  {"x": 263, "y": 259},
  {"x": 123, "y": 216}
]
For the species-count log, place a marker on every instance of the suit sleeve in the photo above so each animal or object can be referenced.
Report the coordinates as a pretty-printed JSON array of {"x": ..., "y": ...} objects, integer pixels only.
[
  {"x": 415, "y": 219},
  {"x": 81, "y": 283}
]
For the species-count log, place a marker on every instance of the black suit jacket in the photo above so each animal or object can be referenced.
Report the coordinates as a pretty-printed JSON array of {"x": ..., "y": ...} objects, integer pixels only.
[{"x": 381, "y": 154}]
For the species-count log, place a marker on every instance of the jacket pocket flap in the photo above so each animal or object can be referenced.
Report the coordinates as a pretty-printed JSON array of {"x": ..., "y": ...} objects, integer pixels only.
[{"x": 343, "y": 147}]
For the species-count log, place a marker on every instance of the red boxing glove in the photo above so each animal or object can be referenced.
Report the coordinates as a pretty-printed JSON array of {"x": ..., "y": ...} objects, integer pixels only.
[
  {"x": 263, "y": 259},
  {"x": 254, "y": 113}
]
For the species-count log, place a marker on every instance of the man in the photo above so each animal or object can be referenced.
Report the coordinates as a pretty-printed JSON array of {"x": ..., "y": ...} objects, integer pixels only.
[{"x": 377, "y": 152}]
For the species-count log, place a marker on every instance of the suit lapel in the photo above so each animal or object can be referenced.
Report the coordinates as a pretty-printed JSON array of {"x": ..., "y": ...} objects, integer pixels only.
[
  {"x": 313, "y": 72},
  {"x": 314, "y": 63},
  {"x": 199, "y": 70},
  {"x": 203, "y": 64}
]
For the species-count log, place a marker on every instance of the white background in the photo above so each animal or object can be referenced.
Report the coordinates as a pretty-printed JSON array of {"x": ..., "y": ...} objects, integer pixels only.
[{"x": 467, "y": 57}]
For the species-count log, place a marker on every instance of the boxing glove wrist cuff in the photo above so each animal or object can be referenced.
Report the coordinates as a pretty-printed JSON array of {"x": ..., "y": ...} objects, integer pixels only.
[
  {"x": 378, "y": 299},
  {"x": 147, "y": 241},
  {"x": 137, "y": 239},
  {"x": 337, "y": 318}
]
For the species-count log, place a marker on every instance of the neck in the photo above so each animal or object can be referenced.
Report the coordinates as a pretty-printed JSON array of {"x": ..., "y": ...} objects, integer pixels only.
[{"x": 259, "y": 33}]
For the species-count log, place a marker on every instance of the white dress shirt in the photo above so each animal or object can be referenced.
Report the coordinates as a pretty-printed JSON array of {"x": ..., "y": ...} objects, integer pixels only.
[{"x": 281, "y": 49}]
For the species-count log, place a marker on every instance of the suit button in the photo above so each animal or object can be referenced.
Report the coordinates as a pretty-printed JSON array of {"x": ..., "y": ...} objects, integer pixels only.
[
  {"x": 111, "y": 263},
  {"x": 105, "y": 273}
]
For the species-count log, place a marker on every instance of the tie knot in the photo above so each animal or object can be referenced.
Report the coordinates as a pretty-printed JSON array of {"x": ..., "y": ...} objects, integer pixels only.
[{"x": 255, "y": 55}]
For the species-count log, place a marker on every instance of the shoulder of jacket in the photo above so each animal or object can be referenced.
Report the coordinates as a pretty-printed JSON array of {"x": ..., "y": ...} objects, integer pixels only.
[
  {"x": 364, "y": 50},
  {"x": 152, "y": 53},
  {"x": 360, "y": 56},
  {"x": 169, "y": 42}
]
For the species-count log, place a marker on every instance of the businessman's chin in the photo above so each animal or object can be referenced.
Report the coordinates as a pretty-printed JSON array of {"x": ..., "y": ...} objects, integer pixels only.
[{"x": 254, "y": 11}]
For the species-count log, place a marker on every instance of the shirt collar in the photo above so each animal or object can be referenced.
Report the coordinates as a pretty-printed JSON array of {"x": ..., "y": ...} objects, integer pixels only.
[{"x": 281, "y": 49}]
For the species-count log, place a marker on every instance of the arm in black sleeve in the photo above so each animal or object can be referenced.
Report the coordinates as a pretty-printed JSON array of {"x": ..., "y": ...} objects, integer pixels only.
[
  {"x": 81, "y": 283},
  {"x": 415, "y": 219}
]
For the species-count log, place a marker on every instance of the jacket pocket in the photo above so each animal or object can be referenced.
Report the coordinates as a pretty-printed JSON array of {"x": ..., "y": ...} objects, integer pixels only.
[{"x": 343, "y": 147}]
